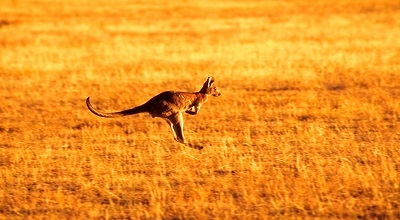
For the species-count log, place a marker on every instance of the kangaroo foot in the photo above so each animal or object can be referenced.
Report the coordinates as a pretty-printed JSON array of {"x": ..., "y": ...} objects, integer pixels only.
[{"x": 195, "y": 146}]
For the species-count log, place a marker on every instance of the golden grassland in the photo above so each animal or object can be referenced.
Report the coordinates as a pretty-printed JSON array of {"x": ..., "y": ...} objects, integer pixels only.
[{"x": 307, "y": 125}]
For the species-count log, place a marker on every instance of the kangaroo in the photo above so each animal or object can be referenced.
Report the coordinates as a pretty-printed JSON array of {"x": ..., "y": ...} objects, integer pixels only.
[{"x": 169, "y": 105}]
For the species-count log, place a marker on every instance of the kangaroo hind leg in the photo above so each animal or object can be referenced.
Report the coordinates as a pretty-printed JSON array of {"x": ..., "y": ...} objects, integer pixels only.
[
  {"x": 172, "y": 129},
  {"x": 176, "y": 123}
]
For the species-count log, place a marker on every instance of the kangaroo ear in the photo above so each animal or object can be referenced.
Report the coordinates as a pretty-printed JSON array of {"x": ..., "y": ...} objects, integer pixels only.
[{"x": 210, "y": 81}]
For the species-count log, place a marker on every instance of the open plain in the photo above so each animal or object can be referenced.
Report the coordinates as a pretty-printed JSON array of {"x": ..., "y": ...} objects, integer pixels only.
[{"x": 308, "y": 124}]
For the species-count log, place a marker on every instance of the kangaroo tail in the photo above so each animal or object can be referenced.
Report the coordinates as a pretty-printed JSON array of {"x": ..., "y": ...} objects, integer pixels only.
[{"x": 132, "y": 111}]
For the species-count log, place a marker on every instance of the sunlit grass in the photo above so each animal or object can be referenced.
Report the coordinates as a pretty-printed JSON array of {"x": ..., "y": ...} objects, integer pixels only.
[{"x": 306, "y": 127}]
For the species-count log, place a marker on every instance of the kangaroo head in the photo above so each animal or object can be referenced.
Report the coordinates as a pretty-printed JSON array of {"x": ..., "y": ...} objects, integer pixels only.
[{"x": 209, "y": 88}]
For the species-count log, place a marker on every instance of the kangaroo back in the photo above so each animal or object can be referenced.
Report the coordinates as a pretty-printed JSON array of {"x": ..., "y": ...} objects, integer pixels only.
[{"x": 132, "y": 111}]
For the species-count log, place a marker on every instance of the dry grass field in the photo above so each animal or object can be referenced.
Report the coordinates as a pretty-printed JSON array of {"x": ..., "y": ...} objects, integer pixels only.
[{"x": 308, "y": 124}]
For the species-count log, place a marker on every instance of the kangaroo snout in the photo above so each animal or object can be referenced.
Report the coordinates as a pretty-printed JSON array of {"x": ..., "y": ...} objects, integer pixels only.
[{"x": 218, "y": 94}]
